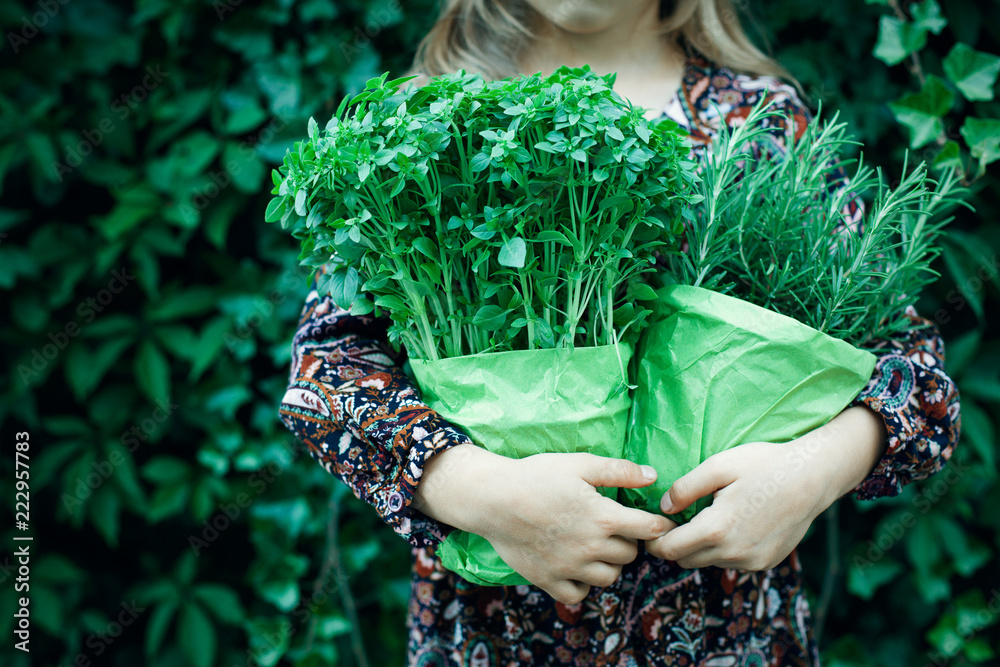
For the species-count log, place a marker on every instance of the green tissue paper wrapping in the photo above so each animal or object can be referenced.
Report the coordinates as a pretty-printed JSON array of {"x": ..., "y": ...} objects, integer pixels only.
[
  {"x": 521, "y": 403},
  {"x": 714, "y": 372}
]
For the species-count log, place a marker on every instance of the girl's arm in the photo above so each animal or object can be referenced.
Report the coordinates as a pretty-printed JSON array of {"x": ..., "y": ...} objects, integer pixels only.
[{"x": 360, "y": 417}]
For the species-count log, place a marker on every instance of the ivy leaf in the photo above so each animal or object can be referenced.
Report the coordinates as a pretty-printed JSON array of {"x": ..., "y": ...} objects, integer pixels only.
[
  {"x": 866, "y": 576},
  {"x": 927, "y": 15},
  {"x": 897, "y": 39},
  {"x": 921, "y": 112},
  {"x": 983, "y": 137},
  {"x": 513, "y": 253},
  {"x": 949, "y": 157},
  {"x": 973, "y": 72}
]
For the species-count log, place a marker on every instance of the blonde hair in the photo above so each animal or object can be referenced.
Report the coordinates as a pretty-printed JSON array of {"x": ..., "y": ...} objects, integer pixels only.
[{"x": 488, "y": 36}]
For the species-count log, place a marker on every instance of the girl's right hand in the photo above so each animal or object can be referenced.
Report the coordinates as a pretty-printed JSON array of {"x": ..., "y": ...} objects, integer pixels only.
[{"x": 543, "y": 513}]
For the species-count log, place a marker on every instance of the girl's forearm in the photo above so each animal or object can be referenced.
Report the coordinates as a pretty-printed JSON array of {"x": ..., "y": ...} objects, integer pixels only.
[
  {"x": 457, "y": 486},
  {"x": 849, "y": 447}
]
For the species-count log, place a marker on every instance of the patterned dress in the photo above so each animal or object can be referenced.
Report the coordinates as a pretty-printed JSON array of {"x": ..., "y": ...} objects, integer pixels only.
[{"x": 361, "y": 418}]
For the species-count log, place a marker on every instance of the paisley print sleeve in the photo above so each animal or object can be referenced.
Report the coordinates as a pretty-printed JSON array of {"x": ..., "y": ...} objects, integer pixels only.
[
  {"x": 920, "y": 405},
  {"x": 355, "y": 410}
]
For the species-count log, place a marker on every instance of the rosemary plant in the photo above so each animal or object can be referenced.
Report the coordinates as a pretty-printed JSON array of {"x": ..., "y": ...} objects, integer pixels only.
[
  {"x": 772, "y": 231},
  {"x": 484, "y": 216}
]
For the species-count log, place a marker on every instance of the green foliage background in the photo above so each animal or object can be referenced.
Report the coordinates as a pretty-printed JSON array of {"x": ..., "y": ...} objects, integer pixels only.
[{"x": 176, "y": 522}]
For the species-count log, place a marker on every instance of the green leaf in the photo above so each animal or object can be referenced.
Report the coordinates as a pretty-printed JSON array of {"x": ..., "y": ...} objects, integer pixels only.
[
  {"x": 391, "y": 303},
  {"x": 642, "y": 292},
  {"x": 950, "y": 157},
  {"x": 978, "y": 431},
  {"x": 897, "y": 39},
  {"x": 983, "y": 388},
  {"x": 197, "y": 635},
  {"x": 227, "y": 400},
  {"x": 343, "y": 286},
  {"x": 967, "y": 553},
  {"x": 983, "y": 137},
  {"x": 977, "y": 650},
  {"x": 167, "y": 501},
  {"x": 86, "y": 368},
  {"x": 241, "y": 163},
  {"x": 927, "y": 15},
  {"x": 152, "y": 372},
  {"x": 513, "y": 253},
  {"x": 184, "y": 303},
  {"x": 973, "y": 72},
  {"x": 159, "y": 621},
  {"x": 221, "y": 601},
  {"x": 921, "y": 112},
  {"x": 866, "y": 576},
  {"x": 58, "y": 569},
  {"x": 426, "y": 246},
  {"x": 268, "y": 640},
  {"x": 551, "y": 235},
  {"x": 490, "y": 318},
  {"x": 962, "y": 350},
  {"x": 51, "y": 608},
  {"x": 104, "y": 509},
  {"x": 165, "y": 470}
]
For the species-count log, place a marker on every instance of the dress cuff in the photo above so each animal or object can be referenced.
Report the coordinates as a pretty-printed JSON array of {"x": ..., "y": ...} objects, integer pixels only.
[{"x": 427, "y": 439}]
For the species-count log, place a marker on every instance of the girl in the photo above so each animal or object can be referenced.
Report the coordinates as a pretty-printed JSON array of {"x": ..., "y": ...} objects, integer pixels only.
[{"x": 612, "y": 585}]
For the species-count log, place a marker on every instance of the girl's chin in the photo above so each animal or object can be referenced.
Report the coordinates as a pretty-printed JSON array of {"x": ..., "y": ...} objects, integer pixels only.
[{"x": 582, "y": 16}]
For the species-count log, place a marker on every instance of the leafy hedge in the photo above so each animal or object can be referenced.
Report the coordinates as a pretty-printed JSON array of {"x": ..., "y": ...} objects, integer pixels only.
[{"x": 148, "y": 312}]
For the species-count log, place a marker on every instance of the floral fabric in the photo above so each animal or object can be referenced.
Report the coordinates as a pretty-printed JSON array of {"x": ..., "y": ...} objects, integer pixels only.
[{"x": 360, "y": 417}]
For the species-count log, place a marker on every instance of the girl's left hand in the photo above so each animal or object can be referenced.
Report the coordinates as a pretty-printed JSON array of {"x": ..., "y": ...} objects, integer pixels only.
[{"x": 766, "y": 495}]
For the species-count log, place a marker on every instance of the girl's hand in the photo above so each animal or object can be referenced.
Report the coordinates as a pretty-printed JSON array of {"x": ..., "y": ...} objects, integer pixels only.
[
  {"x": 766, "y": 495},
  {"x": 543, "y": 514}
]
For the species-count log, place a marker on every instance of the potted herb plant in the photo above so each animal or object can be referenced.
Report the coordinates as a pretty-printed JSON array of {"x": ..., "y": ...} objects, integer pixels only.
[
  {"x": 762, "y": 325},
  {"x": 504, "y": 227}
]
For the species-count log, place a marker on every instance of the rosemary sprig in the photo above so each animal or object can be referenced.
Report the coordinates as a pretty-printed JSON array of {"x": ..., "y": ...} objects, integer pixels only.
[{"x": 771, "y": 230}]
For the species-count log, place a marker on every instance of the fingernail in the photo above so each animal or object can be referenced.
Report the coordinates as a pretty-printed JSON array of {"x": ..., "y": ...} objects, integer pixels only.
[
  {"x": 665, "y": 504},
  {"x": 649, "y": 472}
]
